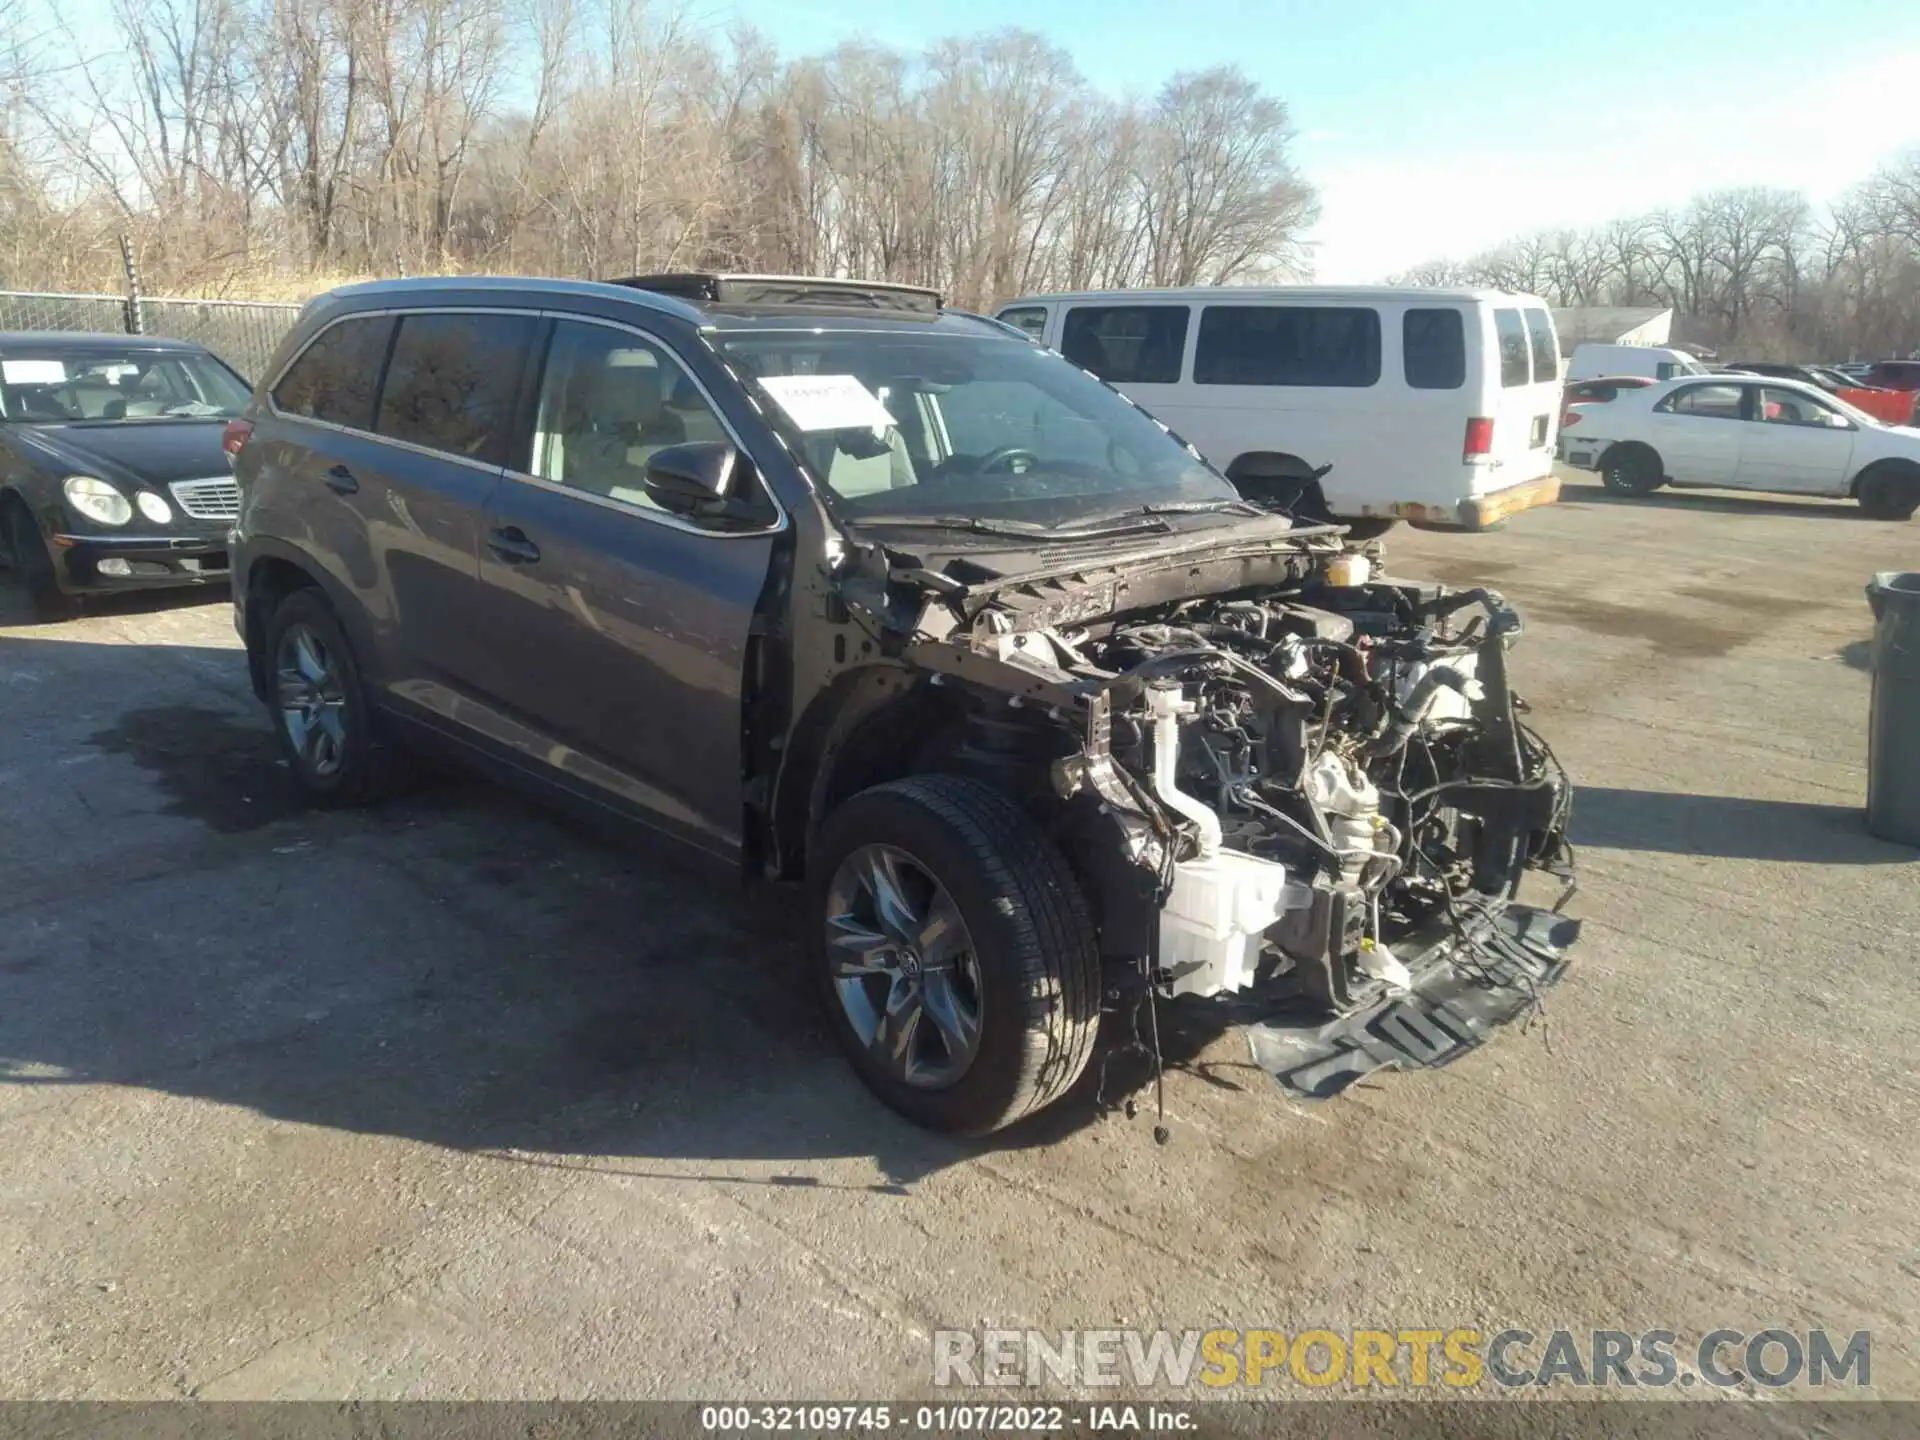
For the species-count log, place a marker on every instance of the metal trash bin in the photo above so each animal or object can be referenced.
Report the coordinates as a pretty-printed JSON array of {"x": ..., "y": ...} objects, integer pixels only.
[{"x": 1893, "y": 725}]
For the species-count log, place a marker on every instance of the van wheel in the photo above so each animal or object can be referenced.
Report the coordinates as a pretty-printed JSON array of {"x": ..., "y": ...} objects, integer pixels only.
[
  {"x": 1631, "y": 470},
  {"x": 1889, "y": 492},
  {"x": 954, "y": 953},
  {"x": 327, "y": 730}
]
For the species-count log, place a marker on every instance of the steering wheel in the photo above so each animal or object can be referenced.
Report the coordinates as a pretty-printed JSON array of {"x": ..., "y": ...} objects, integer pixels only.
[{"x": 1002, "y": 459}]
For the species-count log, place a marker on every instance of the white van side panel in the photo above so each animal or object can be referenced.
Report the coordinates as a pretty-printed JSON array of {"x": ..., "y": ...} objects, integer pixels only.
[
  {"x": 1391, "y": 445},
  {"x": 1590, "y": 362}
]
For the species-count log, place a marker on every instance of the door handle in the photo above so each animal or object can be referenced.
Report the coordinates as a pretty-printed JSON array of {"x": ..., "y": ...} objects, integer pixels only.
[
  {"x": 511, "y": 544},
  {"x": 341, "y": 480}
]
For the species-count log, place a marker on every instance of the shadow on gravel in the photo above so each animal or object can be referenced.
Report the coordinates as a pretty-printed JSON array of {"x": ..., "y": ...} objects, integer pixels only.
[
  {"x": 1727, "y": 826},
  {"x": 459, "y": 967},
  {"x": 1713, "y": 502},
  {"x": 214, "y": 766}
]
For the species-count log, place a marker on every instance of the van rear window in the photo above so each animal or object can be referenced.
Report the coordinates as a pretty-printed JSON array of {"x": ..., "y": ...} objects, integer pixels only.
[
  {"x": 1514, "y": 347},
  {"x": 1127, "y": 344},
  {"x": 1546, "y": 346},
  {"x": 1434, "y": 346},
  {"x": 1333, "y": 346}
]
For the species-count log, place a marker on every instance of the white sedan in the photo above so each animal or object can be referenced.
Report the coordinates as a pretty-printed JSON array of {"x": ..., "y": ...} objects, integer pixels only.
[{"x": 1746, "y": 432}]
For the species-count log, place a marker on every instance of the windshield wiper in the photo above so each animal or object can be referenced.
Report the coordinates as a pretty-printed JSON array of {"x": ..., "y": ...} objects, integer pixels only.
[
  {"x": 1022, "y": 528},
  {"x": 1189, "y": 507},
  {"x": 1144, "y": 515}
]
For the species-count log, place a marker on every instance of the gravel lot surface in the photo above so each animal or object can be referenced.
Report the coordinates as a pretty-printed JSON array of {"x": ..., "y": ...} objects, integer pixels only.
[{"x": 455, "y": 1099}]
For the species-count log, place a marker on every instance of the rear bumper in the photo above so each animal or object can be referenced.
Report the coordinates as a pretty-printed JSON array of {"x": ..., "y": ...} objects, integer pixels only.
[
  {"x": 1483, "y": 512},
  {"x": 138, "y": 562}
]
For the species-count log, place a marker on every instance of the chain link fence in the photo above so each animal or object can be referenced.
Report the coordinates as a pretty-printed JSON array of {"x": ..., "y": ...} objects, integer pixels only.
[{"x": 241, "y": 332}]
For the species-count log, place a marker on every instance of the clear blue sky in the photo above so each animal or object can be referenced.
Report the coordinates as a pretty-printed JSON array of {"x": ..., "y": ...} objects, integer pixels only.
[{"x": 1435, "y": 128}]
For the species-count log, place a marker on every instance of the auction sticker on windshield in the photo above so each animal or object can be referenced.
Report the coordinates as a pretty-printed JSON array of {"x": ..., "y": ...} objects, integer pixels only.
[
  {"x": 33, "y": 372},
  {"x": 827, "y": 402}
]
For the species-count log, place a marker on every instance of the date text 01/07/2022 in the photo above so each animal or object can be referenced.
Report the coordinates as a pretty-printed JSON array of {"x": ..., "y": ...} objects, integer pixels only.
[{"x": 941, "y": 1419}]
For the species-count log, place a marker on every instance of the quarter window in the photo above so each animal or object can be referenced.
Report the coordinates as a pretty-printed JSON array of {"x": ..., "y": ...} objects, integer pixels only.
[
  {"x": 452, "y": 381},
  {"x": 1434, "y": 349},
  {"x": 1127, "y": 344},
  {"x": 609, "y": 402},
  {"x": 335, "y": 377},
  {"x": 1511, "y": 331},
  {"x": 1332, "y": 346}
]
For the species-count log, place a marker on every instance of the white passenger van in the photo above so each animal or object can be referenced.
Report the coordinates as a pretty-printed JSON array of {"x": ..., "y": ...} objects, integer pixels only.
[
  {"x": 1654, "y": 362},
  {"x": 1435, "y": 406}
]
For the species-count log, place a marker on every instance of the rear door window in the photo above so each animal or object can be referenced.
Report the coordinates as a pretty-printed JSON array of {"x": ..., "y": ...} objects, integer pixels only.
[
  {"x": 1434, "y": 346},
  {"x": 453, "y": 381},
  {"x": 1032, "y": 319},
  {"x": 1545, "y": 344},
  {"x": 1127, "y": 344},
  {"x": 1515, "y": 349},
  {"x": 335, "y": 378},
  {"x": 1718, "y": 402},
  {"x": 1321, "y": 345}
]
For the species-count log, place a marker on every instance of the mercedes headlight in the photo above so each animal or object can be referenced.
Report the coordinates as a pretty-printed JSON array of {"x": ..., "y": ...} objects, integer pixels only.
[
  {"x": 97, "y": 500},
  {"x": 153, "y": 507}
]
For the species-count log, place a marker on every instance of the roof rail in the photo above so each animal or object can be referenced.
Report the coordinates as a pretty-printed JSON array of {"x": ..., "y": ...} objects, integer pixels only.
[{"x": 721, "y": 289}]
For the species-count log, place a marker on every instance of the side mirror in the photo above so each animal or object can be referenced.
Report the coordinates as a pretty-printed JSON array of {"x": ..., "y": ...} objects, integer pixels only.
[{"x": 704, "y": 480}]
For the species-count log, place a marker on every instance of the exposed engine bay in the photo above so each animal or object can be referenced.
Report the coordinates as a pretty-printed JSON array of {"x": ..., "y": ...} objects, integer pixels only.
[
  {"x": 1341, "y": 773},
  {"x": 1317, "y": 790}
]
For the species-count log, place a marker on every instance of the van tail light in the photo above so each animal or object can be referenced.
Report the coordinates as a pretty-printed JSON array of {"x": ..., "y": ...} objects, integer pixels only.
[
  {"x": 1479, "y": 437},
  {"x": 238, "y": 432},
  {"x": 1569, "y": 419}
]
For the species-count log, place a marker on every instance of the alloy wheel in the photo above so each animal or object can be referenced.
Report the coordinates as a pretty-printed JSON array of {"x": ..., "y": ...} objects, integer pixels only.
[
  {"x": 903, "y": 966},
  {"x": 312, "y": 700}
]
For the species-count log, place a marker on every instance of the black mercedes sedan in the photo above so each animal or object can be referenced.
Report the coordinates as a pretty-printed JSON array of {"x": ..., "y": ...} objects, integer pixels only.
[{"x": 112, "y": 471}]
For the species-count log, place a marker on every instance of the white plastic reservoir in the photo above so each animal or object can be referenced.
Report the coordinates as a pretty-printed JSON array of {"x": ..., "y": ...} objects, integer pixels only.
[{"x": 1211, "y": 926}]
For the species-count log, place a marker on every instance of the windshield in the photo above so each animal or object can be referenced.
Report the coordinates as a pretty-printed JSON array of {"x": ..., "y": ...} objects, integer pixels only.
[
  {"x": 901, "y": 425},
  {"x": 65, "y": 385}
]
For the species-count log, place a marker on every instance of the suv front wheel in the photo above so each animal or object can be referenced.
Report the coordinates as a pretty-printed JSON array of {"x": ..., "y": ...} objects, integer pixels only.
[{"x": 954, "y": 952}]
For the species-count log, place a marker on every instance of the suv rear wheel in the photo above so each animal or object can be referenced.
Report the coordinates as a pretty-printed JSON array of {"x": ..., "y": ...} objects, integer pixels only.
[
  {"x": 954, "y": 953},
  {"x": 326, "y": 728}
]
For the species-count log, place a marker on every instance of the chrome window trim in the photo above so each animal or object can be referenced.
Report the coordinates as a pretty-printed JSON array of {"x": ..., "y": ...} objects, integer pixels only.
[{"x": 624, "y": 507}]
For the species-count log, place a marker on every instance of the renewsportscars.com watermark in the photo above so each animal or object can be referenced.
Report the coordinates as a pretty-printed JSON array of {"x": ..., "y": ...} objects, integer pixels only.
[{"x": 1400, "y": 1359}]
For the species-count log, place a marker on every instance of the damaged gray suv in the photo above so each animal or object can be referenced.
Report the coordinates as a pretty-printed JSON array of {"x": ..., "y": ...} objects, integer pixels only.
[{"x": 879, "y": 599}]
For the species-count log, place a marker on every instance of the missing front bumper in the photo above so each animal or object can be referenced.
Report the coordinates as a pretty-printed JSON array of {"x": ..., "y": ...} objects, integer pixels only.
[{"x": 1464, "y": 987}]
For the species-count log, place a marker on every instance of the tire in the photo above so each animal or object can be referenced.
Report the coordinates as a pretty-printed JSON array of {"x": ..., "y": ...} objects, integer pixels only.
[
  {"x": 1631, "y": 470},
  {"x": 1889, "y": 492},
  {"x": 1023, "y": 966},
  {"x": 27, "y": 559},
  {"x": 338, "y": 755}
]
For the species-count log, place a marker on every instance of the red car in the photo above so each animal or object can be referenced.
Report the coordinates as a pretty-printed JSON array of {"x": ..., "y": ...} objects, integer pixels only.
[{"x": 1894, "y": 374}]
